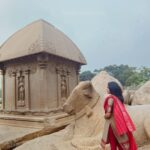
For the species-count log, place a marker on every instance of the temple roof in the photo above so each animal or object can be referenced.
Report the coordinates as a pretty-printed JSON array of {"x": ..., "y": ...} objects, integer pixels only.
[{"x": 40, "y": 36}]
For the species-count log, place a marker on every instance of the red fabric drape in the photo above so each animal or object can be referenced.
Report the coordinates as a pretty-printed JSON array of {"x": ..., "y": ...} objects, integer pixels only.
[{"x": 122, "y": 120}]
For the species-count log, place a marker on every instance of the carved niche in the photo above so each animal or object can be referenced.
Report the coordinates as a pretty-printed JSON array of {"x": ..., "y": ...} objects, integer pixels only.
[
  {"x": 63, "y": 88},
  {"x": 21, "y": 90},
  {"x": 20, "y": 74},
  {"x": 62, "y": 84},
  {"x": 43, "y": 60}
]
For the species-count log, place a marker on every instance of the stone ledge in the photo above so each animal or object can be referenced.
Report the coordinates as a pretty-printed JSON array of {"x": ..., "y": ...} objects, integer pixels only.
[
  {"x": 33, "y": 112},
  {"x": 37, "y": 122}
]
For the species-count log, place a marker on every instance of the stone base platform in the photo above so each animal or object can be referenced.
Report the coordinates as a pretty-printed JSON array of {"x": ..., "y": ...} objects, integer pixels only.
[
  {"x": 22, "y": 121},
  {"x": 17, "y": 129},
  {"x": 37, "y": 122}
]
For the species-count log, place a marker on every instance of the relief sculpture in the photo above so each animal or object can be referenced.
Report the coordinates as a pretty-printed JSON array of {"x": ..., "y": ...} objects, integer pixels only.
[
  {"x": 63, "y": 89},
  {"x": 21, "y": 90}
]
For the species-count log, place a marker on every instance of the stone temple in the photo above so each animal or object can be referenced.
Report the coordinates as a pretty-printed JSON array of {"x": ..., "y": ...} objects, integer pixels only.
[{"x": 40, "y": 67}]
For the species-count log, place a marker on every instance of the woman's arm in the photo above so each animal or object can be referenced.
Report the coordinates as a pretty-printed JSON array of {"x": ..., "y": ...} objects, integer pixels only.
[{"x": 109, "y": 109}]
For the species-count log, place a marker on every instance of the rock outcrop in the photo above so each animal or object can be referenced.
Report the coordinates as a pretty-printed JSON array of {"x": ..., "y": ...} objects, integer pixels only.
[{"x": 142, "y": 95}]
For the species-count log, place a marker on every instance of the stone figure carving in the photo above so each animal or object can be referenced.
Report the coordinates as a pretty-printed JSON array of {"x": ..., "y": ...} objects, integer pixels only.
[
  {"x": 63, "y": 82},
  {"x": 63, "y": 89},
  {"x": 21, "y": 90},
  {"x": 86, "y": 131}
]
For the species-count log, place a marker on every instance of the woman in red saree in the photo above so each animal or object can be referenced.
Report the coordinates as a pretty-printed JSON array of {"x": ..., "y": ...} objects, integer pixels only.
[{"x": 118, "y": 126}]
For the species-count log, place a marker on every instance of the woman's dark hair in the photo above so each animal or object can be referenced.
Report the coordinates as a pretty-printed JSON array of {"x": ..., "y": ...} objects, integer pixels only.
[{"x": 115, "y": 89}]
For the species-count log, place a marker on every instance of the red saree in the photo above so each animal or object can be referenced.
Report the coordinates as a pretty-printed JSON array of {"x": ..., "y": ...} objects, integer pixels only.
[{"x": 120, "y": 124}]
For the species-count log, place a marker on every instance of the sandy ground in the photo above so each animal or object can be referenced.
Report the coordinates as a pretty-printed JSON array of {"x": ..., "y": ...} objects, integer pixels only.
[
  {"x": 10, "y": 132},
  {"x": 146, "y": 147}
]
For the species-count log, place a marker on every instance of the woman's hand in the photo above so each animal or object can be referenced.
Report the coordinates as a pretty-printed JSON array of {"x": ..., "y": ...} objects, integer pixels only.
[
  {"x": 103, "y": 145},
  {"x": 107, "y": 115}
]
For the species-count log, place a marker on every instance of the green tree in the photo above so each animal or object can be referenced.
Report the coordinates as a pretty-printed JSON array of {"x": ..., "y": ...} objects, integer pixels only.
[
  {"x": 128, "y": 76},
  {"x": 121, "y": 72},
  {"x": 86, "y": 75},
  {"x": 145, "y": 73},
  {"x": 134, "y": 80}
]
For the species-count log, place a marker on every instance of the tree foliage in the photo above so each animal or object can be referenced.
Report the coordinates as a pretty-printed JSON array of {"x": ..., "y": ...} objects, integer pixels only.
[
  {"x": 128, "y": 76},
  {"x": 121, "y": 72},
  {"x": 86, "y": 75}
]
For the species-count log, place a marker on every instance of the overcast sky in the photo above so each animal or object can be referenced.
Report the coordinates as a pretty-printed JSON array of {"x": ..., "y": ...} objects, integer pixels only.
[{"x": 106, "y": 31}]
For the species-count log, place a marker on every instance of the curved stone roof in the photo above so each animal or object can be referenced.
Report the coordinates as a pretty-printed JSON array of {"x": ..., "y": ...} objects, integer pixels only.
[{"x": 40, "y": 36}]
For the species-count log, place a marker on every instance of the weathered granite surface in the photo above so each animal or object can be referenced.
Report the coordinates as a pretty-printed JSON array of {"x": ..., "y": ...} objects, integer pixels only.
[
  {"x": 142, "y": 95},
  {"x": 85, "y": 133},
  {"x": 10, "y": 133}
]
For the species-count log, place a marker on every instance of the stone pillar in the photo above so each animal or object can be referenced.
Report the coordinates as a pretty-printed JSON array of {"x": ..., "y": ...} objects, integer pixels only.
[
  {"x": 27, "y": 89},
  {"x": 43, "y": 68},
  {"x": 14, "y": 91},
  {"x": 77, "y": 73},
  {"x": 2, "y": 72},
  {"x": 58, "y": 87}
]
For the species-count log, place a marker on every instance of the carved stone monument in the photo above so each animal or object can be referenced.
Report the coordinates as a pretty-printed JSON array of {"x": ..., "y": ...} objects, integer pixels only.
[{"x": 40, "y": 67}]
